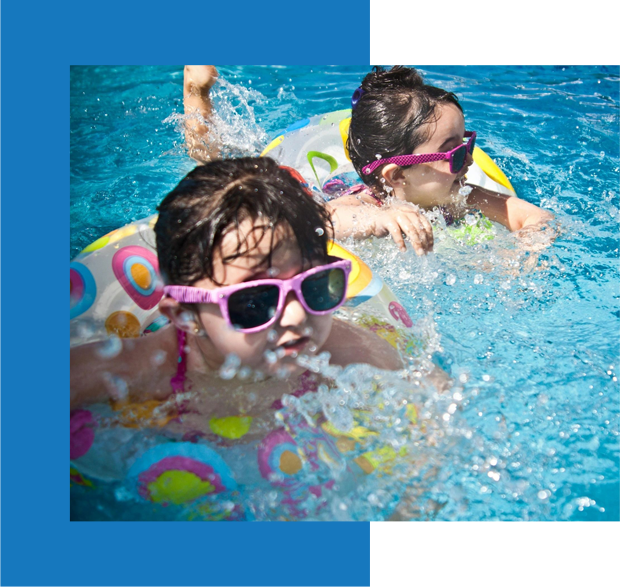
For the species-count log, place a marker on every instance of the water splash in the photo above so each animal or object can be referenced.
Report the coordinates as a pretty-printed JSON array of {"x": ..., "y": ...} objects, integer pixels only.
[{"x": 233, "y": 126}]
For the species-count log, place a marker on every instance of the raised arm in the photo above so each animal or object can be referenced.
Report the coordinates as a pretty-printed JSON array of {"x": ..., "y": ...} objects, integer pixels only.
[
  {"x": 197, "y": 83},
  {"x": 510, "y": 211}
]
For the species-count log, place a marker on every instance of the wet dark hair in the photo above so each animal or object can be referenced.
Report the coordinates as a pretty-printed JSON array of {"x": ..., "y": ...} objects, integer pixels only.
[
  {"x": 217, "y": 197},
  {"x": 389, "y": 117}
]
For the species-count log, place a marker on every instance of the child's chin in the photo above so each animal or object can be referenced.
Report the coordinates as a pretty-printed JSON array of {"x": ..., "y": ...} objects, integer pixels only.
[{"x": 285, "y": 369}]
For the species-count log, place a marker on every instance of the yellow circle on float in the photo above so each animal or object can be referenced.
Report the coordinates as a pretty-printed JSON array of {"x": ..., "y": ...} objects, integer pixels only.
[
  {"x": 231, "y": 427},
  {"x": 123, "y": 325},
  {"x": 141, "y": 275},
  {"x": 178, "y": 487}
]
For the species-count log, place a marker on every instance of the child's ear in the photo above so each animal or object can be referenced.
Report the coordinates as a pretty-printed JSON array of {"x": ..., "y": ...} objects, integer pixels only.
[
  {"x": 182, "y": 318},
  {"x": 393, "y": 174}
]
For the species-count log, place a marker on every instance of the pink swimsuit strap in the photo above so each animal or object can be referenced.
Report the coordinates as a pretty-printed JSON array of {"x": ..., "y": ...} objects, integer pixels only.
[{"x": 361, "y": 188}]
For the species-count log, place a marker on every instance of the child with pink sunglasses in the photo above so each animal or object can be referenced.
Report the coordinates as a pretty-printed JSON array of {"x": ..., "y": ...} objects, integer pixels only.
[
  {"x": 408, "y": 143},
  {"x": 243, "y": 252}
]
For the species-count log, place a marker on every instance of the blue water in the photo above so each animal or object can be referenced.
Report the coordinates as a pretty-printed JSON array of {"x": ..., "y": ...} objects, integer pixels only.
[{"x": 530, "y": 333}]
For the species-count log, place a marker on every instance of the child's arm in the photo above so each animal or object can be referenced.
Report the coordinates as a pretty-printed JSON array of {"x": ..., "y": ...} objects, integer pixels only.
[
  {"x": 197, "y": 83},
  {"x": 359, "y": 217},
  {"x": 140, "y": 369},
  {"x": 510, "y": 211}
]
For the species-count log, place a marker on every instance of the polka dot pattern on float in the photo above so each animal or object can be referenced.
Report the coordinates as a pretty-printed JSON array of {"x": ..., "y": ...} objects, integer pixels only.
[
  {"x": 83, "y": 289},
  {"x": 178, "y": 480},
  {"x": 123, "y": 324},
  {"x": 137, "y": 270},
  {"x": 278, "y": 453},
  {"x": 180, "y": 472}
]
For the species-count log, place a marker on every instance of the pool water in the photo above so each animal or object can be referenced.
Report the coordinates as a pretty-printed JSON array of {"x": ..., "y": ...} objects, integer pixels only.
[{"x": 527, "y": 328}]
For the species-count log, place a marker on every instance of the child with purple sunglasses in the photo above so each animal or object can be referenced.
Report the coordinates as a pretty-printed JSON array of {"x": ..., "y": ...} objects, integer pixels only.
[
  {"x": 243, "y": 252},
  {"x": 408, "y": 143}
]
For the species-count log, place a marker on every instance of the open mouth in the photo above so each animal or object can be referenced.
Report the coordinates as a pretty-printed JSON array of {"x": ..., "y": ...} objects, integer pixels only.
[{"x": 295, "y": 346}]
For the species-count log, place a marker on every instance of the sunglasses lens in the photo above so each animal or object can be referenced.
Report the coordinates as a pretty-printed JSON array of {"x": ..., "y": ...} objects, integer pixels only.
[
  {"x": 458, "y": 159},
  {"x": 323, "y": 291},
  {"x": 254, "y": 306},
  {"x": 472, "y": 144}
]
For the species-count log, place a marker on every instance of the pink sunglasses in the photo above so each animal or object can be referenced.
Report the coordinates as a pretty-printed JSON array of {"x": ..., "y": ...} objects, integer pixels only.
[
  {"x": 255, "y": 305},
  {"x": 456, "y": 156}
]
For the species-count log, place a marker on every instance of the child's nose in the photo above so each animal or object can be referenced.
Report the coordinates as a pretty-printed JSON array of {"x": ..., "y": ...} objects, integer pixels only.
[{"x": 293, "y": 313}]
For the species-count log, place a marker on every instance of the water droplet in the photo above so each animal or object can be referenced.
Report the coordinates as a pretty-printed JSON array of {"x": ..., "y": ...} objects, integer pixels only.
[
  {"x": 450, "y": 279},
  {"x": 478, "y": 279},
  {"x": 158, "y": 358},
  {"x": 110, "y": 348},
  {"x": 320, "y": 231},
  {"x": 117, "y": 386},
  {"x": 270, "y": 357},
  {"x": 230, "y": 367}
]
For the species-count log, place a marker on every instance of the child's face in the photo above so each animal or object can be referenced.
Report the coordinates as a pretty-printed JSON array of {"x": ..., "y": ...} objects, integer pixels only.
[
  {"x": 431, "y": 184},
  {"x": 295, "y": 332}
]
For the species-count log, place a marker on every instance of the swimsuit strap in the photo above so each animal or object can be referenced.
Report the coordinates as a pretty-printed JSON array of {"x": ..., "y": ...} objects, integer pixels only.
[
  {"x": 178, "y": 381},
  {"x": 447, "y": 216},
  {"x": 361, "y": 188},
  {"x": 306, "y": 383}
]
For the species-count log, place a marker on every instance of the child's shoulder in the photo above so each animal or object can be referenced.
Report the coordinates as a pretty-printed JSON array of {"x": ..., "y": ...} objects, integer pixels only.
[{"x": 349, "y": 344}]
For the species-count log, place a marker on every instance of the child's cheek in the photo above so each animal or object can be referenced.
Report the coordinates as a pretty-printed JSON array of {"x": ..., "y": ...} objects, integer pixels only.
[{"x": 322, "y": 329}]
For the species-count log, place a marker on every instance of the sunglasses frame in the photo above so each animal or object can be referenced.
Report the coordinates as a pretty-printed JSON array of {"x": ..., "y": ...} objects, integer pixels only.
[
  {"x": 196, "y": 295},
  {"x": 404, "y": 160}
]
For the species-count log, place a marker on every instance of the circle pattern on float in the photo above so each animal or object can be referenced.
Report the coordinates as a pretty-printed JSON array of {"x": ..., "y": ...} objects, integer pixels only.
[
  {"x": 123, "y": 324},
  {"x": 178, "y": 480},
  {"x": 83, "y": 289},
  {"x": 137, "y": 270},
  {"x": 278, "y": 453},
  {"x": 181, "y": 472}
]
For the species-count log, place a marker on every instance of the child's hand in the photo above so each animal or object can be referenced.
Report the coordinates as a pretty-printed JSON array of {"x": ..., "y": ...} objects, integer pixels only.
[
  {"x": 199, "y": 79},
  {"x": 402, "y": 219}
]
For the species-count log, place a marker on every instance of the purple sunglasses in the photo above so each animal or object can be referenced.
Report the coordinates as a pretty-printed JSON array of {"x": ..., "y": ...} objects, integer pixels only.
[
  {"x": 456, "y": 156},
  {"x": 255, "y": 305}
]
